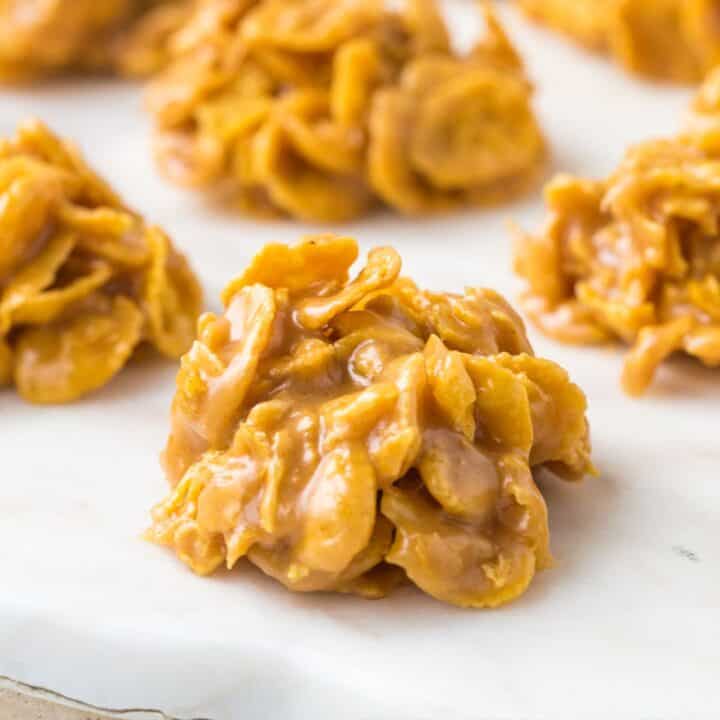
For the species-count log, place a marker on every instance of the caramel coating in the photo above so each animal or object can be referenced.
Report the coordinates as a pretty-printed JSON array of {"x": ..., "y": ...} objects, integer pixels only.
[
  {"x": 320, "y": 109},
  {"x": 83, "y": 280},
  {"x": 38, "y": 39},
  {"x": 675, "y": 40},
  {"x": 635, "y": 257},
  {"x": 345, "y": 434}
]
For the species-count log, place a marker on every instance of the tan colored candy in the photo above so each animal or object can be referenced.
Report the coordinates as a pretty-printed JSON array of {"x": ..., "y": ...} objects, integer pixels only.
[
  {"x": 43, "y": 38},
  {"x": 298, "y": 186},
  {"x": 634, "y": 257},
  {"x": 676, "y": 40},
  {"x": 308, "y": 108},
  {"x": 212, "y": 386},
  {"x": 60, "y": 362},
  {"x": 83, "y": 280},
  {"x": 456, "y": 561},
  {"x": 560, "y": 429},
  {"x": 474, "y": 129},
  {"x": 451, "y": 386},
  {"x": 28, "y": 282},
  {"x": 357, "y": 71},
  {"x": 30, "y": 190},
  {"x": 584, "y": 20},
  {"x": 390, "y": 171},
  {"x": 171, "y": 296},
  {"x": 317, "y": 264},
  {"x": 458, "y": 475},
  {"x": 6, "y": 363},
  {"x": 309, "y": 25},
  {"x": 338, "y": 505},
  {"x": 366, "y": 575},
  {"x": 345, "y": 434},
  {"x": 382, "y": 269}
]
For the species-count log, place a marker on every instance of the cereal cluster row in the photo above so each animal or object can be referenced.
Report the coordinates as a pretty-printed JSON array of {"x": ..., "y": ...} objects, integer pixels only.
[{"x": 351, "y": 433}]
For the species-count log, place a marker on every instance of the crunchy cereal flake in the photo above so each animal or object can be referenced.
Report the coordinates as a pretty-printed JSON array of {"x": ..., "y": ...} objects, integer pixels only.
[{"x": 59, "y": 362}]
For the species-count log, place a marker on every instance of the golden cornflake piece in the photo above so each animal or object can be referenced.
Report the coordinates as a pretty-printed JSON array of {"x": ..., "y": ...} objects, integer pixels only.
[
  {"x": 704, "y": 117},
  {"x": 319, "y": 109},
  {"x": 345, "y": 434},
  {"x": 677, "y": 40},
  {"x": 634, "y": 257},
  {"x": 128, "y": 36},
  {"x": 585, "y": 20},
  {"x": 83, "y": 280}
]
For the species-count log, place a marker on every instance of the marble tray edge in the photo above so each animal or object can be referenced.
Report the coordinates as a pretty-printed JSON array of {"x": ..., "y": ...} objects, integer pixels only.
[{"x": 19, "y": 700}]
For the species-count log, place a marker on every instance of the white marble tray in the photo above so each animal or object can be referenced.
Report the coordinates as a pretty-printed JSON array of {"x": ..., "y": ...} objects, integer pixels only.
[{"x": 627, "y": 625}]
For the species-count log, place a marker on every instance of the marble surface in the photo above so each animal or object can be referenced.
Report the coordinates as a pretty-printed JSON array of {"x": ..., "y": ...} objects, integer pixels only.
[{"x": 626, "y": 626}]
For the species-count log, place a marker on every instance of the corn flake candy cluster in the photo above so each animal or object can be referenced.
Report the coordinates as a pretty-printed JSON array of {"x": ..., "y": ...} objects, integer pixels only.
[
  {"x": 347, "y": 435},
  {"x": 322, "y": 109},
  {"x": 634, "y": 257},
  {"x": 83, "y": 280},
  {"x": 40, "y": 39},
  {"x": 676, "y": 40}
]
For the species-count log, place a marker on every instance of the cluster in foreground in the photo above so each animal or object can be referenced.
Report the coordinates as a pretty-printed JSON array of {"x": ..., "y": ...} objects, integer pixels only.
[
  {"x": 636, "y": 256},
  {"x": 677, "y": 40},
  {"x": 38, "y": 39},
  {"x": 83, "y": 280},
  {"x": 320, "y": 109},
  {"x": 348, "y": 434}
]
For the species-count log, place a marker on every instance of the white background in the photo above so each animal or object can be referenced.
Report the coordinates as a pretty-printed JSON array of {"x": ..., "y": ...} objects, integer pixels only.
[{"x": 627, "y": 626}]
